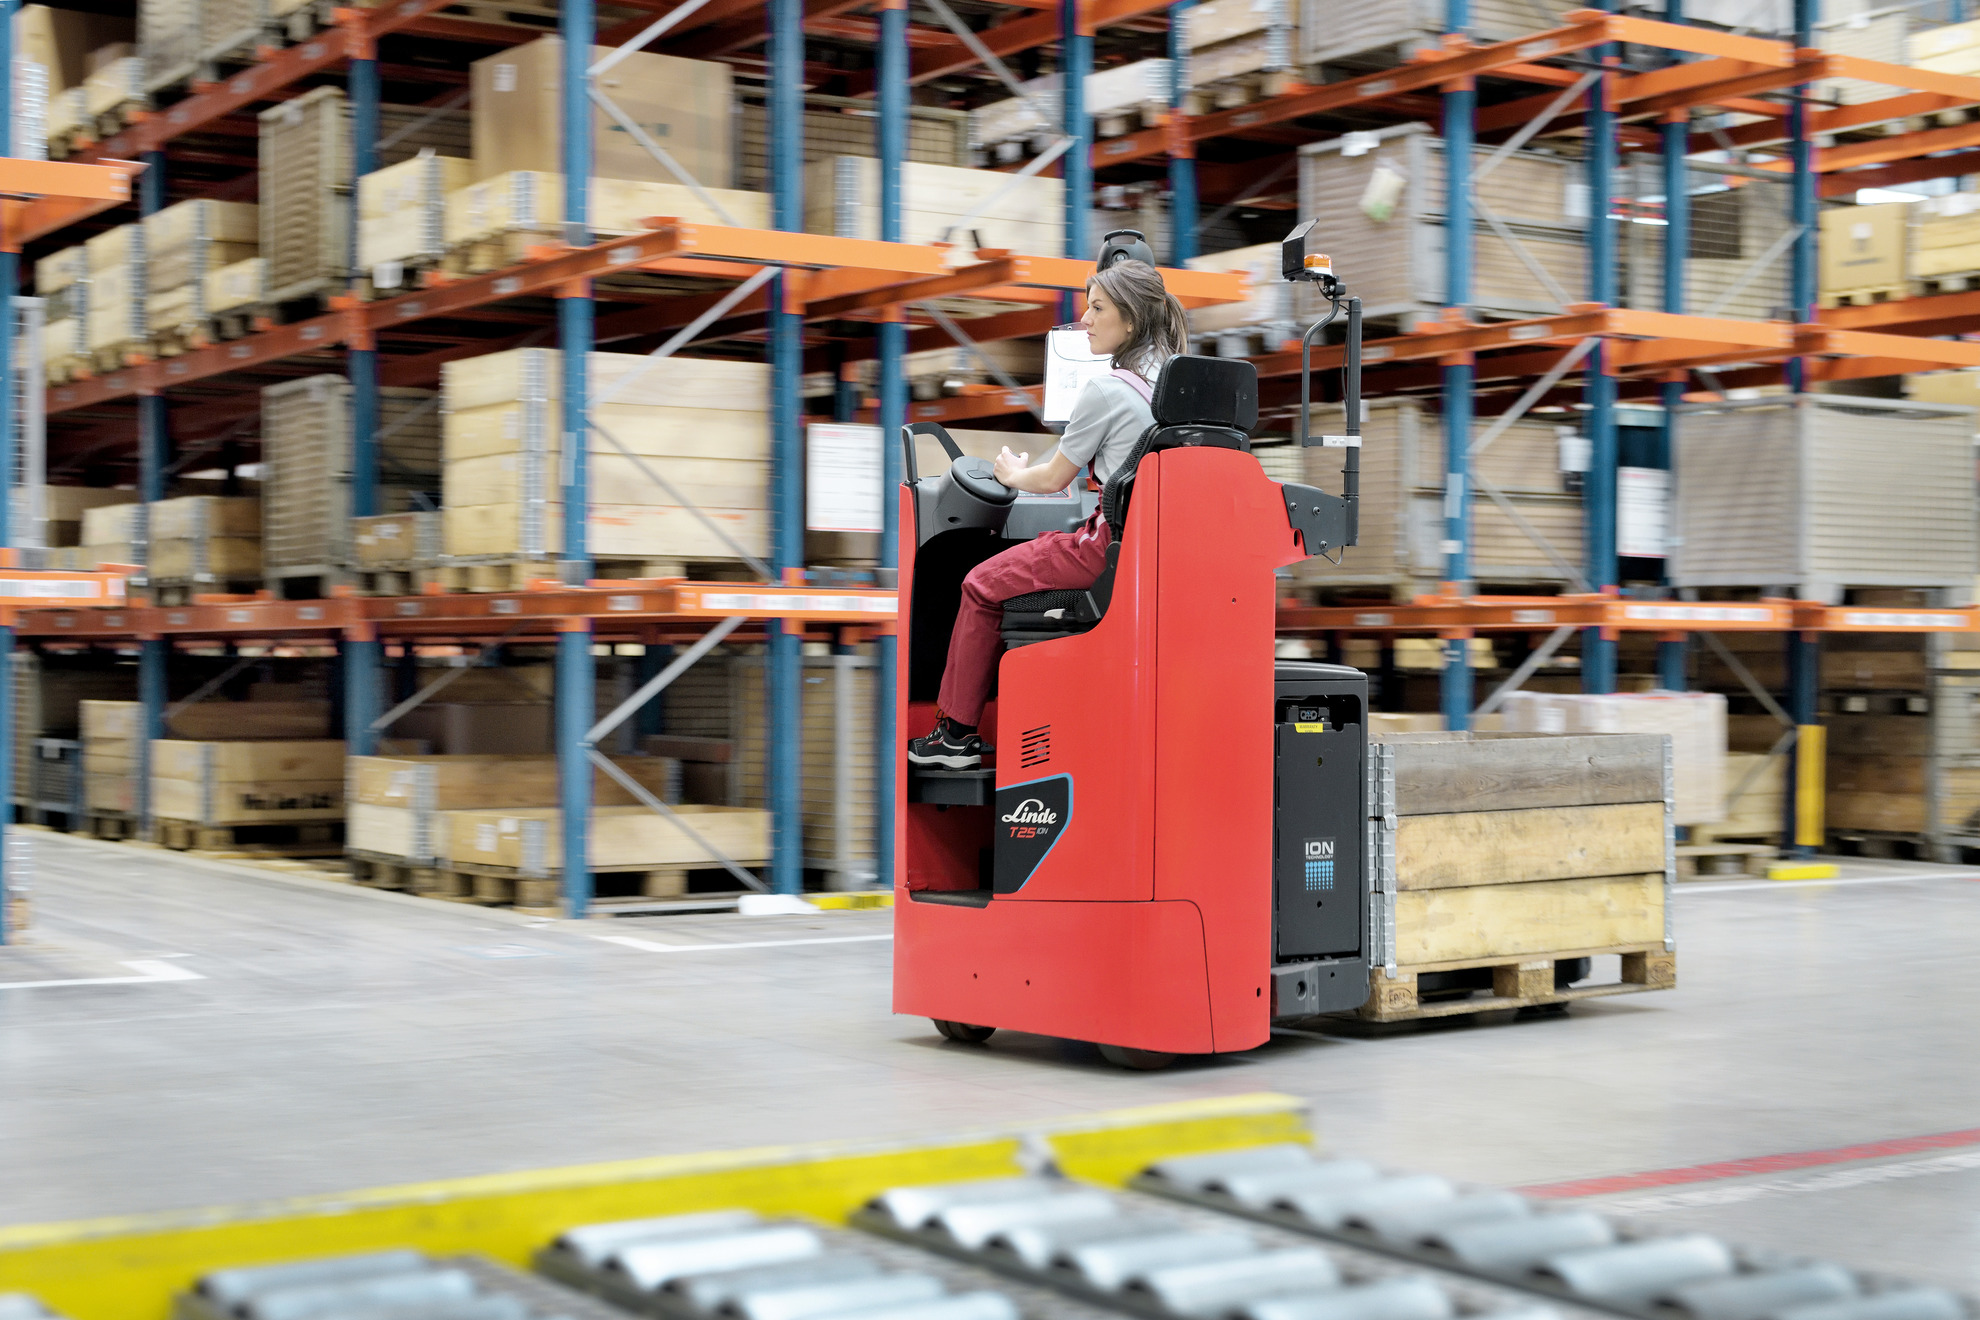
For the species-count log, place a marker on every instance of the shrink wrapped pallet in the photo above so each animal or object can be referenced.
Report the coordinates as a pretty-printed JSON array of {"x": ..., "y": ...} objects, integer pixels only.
[
  {"x": 1402, "y": 502},
  {"x": 1694, "y": 721},
  {"x": 842, "y": 198},
  {"x": 306, "y": 525},
  {"x": 682, "y": 105},
  {"x": 1820, "y": 492},
  {"x": 844, "y": 126},
  {"x": 1385, "y": 229},
  {"x": 701, "y": 423}
]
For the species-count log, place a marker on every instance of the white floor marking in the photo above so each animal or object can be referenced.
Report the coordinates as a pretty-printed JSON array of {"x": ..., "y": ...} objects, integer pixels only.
[
  {"x": 1828, "y": 1181},
  {"x": 1690, "y": 887},
  {"x": 653, "y": 946},
  {"x": 149, "y": 970}
]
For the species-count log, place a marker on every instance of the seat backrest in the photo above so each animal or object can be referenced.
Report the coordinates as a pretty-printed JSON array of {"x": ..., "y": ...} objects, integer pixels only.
[
  {"x": 1198, "y": 400},
  {"x": 1207, "y": 391}
]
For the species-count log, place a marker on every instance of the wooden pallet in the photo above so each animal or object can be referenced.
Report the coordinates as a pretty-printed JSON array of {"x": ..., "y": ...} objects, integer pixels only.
[
  {"x": 390, "y": 580},
  {"x": 115, "y": 357},
  {"x": 1523, "y": 982},
  {"x": 119, "y": 117},
  {"x": 304, "y": 839},
  {"x": 1863, "y": 297},
  {"x": 498, "y": 574},
  {"x": 174, "y": 592},
  {"x": 1957, "y": 283},
  {"x": 1709, "y": 858},
  {"x": 544, "y": 895},
  {"x": 61, "y": 371},
  {"x": 1245, "y": 88},
  {"x": 114, "y": 825},
  {"x": 497, "y": 252}
]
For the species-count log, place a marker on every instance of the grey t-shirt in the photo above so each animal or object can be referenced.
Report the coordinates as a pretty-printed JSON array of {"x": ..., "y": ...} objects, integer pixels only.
[{"x": 1107, "y": 418}]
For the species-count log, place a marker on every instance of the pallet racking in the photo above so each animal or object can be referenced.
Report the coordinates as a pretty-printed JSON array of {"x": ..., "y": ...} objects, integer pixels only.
[{"x": 1569, "y": 79}]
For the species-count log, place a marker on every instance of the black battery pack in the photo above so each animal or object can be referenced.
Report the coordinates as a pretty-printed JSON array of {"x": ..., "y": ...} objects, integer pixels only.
[{"x": 1320, "y": 839}]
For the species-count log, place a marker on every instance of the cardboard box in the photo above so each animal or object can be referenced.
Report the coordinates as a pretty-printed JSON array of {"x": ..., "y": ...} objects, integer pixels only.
[
  {"x": 683, "y": 105},
  {"x": 1863, "y": 247}
]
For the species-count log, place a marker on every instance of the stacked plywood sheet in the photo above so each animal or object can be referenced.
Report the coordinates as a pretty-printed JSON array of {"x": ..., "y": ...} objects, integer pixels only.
[
  {"x": 842, "y": 197},
  {"x": 702, "y": 424},
  {"x": 1513, "y": 857},
  {"x": 185, "y": 245}
]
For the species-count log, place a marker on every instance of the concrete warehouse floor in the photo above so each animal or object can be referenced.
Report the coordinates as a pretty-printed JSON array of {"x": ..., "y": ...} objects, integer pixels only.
[{"x": 276, "y": 1036}]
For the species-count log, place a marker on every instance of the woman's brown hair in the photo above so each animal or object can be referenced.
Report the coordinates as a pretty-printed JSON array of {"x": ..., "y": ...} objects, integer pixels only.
[{"x": 1157, "y": 327}]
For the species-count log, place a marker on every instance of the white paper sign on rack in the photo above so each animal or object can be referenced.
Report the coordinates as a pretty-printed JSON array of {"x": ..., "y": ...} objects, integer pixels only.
[
  {"x": 1643, "y": 512},
  {"x": 1068, "y": 366},
  {"x": 842, "y": 477}
]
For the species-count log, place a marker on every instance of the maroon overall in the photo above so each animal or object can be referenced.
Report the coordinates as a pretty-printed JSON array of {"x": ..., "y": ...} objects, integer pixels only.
[{"x": 1054, "y": 561}]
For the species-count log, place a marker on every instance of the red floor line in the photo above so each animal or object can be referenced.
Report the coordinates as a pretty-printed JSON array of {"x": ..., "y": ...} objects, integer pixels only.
[{"x": 1801, "y": 1159}]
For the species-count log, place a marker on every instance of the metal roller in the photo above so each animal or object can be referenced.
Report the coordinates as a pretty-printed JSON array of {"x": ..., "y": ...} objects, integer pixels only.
[
  {"x": 1392, "y": 1299},
  {"x": 20, "y": 1306},
  {"x": 916, "y": 1207},
  {"x": 1202, "y": 1172},
  {"x": 591, "y": 1244},
  {"x": 1748, "y": 1297},
  {"x": 648, "y": 1265},
  {"x": 1508, "y": 1246},
  {"x": 1334, "y": 1208},
  {"x": 1035, "y": 1246},
  {"x": 428, "y": 1287},
  {"x": 1411, "y": 1223},
  {"x": 1217, "y": 1287},
  {"x": 845, "y": 1296},
  {"x": 1264, "y": 1190},
  {"x": 707, "y": 1293},
  {"x": 1107, "y": 1266},
  {"x": 1637, "y": 1269},
  {"x": 229, "y": 1288},
  {"x": 1901, "y": 1304},
  {"x": 495, "y": 1307},
  {"x": 983, "y": 1305},
  {"x": 970, "y": 1226}
]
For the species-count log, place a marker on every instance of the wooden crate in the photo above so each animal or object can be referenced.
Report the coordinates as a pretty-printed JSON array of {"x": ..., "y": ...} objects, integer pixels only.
[
  {"x": 247, "y": 782},
  {"x": 116, "y": 328},
  {"x": 700, "y": 422},
  {"x": 530, "y": 839},
  {"x": 1365, "y": 35},
  {"x": 184, "y": 245},
  {"x": 51, "y": 695},
  {"x": 684, "y": 105},
  {"x": 842, "y": 197},
  {"x": 1694, "y": 721},
  {"x": 845, "y": 126},
  {"x": 529, "y": 205},
  {"x": 837, "y": 763},
  {"x": 402, "y": 212},
  {"x": 306, "y": 527},
  {"x": 235, "y": 288},
  {"x": 1863, "y": 251},
  {"x": 1514, "y": 849},
  {"x": 395, "y": 540}
]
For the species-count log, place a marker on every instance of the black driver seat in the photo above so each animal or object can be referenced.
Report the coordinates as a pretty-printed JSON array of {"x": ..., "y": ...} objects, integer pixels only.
[{"x": 1199, "y": 401}]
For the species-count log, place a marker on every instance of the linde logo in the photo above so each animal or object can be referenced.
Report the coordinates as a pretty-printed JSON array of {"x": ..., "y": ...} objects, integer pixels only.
[
  {"x": 1319, "y": 848},
  {"x": 1032, "y": 812}
]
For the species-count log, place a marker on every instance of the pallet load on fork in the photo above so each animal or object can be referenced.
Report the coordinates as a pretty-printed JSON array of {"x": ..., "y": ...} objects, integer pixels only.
[{"x": 702, "y": 424}]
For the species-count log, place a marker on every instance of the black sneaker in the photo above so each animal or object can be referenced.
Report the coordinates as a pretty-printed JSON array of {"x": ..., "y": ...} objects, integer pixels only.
[{"x": 947, "y": 749}]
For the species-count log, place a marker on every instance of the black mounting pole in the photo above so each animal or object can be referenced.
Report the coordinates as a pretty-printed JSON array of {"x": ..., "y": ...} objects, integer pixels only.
[{"x": 1351, "y": 400}]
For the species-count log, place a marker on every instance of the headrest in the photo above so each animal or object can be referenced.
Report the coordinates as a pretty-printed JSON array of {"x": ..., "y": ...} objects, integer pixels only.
[{"x": 1207, "y": 391}]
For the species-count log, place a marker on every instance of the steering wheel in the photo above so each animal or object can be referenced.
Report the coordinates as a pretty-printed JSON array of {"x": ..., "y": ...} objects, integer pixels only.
[{"x": 975, "y": 477}]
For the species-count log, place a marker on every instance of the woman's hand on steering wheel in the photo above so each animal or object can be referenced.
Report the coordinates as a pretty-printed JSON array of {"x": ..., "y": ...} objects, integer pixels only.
[{"x": 1008, "y": 465}]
